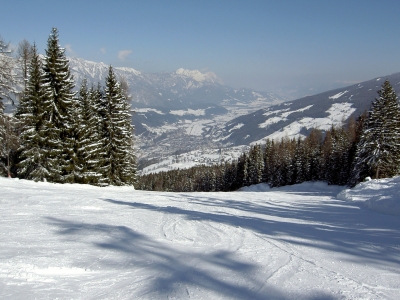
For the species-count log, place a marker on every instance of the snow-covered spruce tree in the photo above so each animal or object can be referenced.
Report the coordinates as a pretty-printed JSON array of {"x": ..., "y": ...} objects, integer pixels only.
[
  {"x": 90, "y": 151},
  {"x": 121, "y": 167},
  {"x": 38, "y": 149},
  {"x": 64, "y": 107},
  {"x": 355, "y": 130},
  {"x": 128, "y": 147},
  {"x": 101, "y": 116},
  {"x": 378, "y": 151}
]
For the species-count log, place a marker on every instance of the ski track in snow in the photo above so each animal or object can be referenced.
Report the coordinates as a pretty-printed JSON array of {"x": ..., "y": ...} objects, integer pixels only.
[{"x": 296, "y": 242}]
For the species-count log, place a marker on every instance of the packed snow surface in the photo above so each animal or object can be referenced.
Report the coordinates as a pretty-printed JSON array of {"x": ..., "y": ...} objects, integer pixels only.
[
  {"x": 380, "y": 195},
  {"x": 296, "y": 242}
]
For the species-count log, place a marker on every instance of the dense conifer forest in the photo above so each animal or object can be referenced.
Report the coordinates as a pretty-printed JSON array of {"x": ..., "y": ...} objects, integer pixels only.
[{"x": 60, "y": 135}]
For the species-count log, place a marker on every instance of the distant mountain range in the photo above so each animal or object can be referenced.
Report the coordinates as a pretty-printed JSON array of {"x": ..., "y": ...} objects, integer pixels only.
[
  {"x": 188, "y": 110},
  {"x": 179, "y": 111},
  {"x": 180, "y": 89}
]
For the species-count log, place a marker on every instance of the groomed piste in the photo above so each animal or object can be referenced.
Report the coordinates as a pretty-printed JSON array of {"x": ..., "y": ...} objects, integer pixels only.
[{"x": 308, "y": 241}]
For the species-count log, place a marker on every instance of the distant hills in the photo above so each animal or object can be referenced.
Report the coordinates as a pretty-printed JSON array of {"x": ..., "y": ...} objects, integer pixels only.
[
  {"x": 287, "y": 119},
  {"x": 297, "y": 117}
]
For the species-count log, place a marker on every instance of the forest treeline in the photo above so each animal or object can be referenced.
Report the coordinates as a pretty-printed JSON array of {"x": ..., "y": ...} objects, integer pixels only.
[{"x": 366, "y": 146}]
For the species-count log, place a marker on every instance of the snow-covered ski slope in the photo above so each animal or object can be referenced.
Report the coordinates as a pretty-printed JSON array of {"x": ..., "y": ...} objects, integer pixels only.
[{"x": 296, "y": 242}]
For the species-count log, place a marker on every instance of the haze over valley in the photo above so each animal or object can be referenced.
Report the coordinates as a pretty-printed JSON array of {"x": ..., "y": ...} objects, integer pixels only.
[{"x": 187, "y": 110}]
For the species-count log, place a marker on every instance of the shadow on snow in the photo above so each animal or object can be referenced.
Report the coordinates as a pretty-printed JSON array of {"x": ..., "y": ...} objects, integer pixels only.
[
  {"x": 341, "y": 227},
  {"x": 171, "y": 269},
  {"x": 365, "y": 236}
]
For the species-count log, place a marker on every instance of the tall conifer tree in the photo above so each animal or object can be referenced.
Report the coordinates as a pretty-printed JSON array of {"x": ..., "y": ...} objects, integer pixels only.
[
  {"x": 121, "y": 168},
  {"x": 64, "y": 107},
  {"x": 38, "y": 137},
  {"x": 90, "y": 150},
  {"x": 378, "y": 151}
]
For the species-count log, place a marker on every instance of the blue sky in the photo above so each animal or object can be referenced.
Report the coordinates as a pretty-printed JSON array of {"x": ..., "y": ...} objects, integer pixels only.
[{"x": 265, "y": 45}]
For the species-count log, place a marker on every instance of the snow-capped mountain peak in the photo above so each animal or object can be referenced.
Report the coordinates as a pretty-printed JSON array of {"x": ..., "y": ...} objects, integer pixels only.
[{"x": 198, "y": 76}]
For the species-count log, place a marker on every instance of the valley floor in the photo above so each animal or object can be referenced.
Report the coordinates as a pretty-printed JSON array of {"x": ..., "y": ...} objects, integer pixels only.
[{"x": 297, "y": 242}]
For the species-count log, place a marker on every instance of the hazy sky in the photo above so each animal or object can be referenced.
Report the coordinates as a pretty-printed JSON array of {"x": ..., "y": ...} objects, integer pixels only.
[{"x": 265, "y": 45}]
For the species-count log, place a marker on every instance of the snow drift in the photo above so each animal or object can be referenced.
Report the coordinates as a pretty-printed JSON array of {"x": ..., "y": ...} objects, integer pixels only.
[{"x": 381, "y": 195}]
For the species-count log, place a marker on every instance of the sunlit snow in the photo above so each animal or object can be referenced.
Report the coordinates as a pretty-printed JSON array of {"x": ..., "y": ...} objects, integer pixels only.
[
  {"x": 338, "y": 95},
  {"x": 196, "y": 128},
  {"x": 338, "y": 112},
  {"x": 206, "y": 157},
  {"x": 197, "y": 75},
  {"x": 145, "y": 110},
  {"x": 160, "y": 130},
  {"x": 283, "y": 114},
  {"x": 195, "y": 112},
  {"x": 294, "y": 242},
  {"x": 238, "y": 126}
]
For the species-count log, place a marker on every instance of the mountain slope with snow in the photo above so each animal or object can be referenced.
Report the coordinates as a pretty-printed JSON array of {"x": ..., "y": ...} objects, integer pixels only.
[
  {"x": 289, "y": 119},
  {"x": 296, "y": 242},
  {"x": 298, "y": 117}
]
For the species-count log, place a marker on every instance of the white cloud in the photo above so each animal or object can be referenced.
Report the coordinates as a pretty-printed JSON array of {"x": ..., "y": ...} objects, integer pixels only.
[
  {"x": 70, "y": 52},
  {"x": 123, "y": 54},
  {"x": 103, "y": 50}
]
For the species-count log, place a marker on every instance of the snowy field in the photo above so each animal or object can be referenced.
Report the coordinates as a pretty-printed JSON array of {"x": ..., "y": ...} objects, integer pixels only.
[{"x": 297, "y": 242}]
